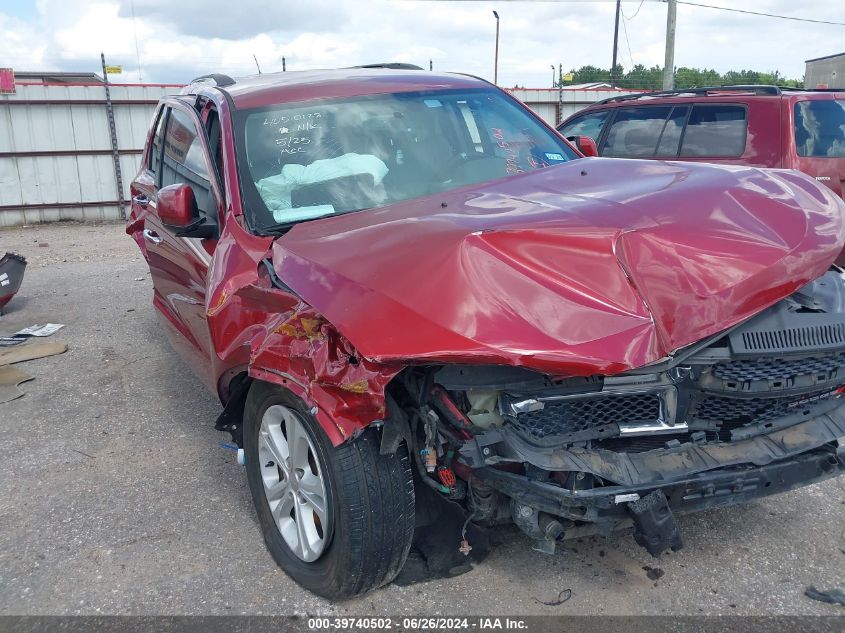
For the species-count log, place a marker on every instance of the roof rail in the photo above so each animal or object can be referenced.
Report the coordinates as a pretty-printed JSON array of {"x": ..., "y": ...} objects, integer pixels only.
[
  {"x": 790, "y": 89},
  {"x": 215, "y": 79},
  {"x": 391, "y": 66},
  {"x": 706, "y": 91}
]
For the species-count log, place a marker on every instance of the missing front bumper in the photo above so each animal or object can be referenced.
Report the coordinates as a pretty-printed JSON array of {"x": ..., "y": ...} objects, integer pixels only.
[
  {"x": 609, "y": 507},
  {"x": 677, "y": 481},
  {"x": 655, "y": 468}
]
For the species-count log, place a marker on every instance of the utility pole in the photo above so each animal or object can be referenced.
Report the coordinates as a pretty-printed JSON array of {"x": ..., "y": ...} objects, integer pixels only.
[
  {"x": 559, "y": 94},
  {"x": 615, "y": 44},
  {"x": 115, "y": 153},
  {"x": 496, "y": 59},
  {"x": 669, "y": 63}
]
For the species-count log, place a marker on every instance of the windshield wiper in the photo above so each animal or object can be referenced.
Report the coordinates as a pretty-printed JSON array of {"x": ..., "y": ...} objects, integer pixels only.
[
  {"x": 278, "y": 229},
  {"x": 281, "y": 228}
]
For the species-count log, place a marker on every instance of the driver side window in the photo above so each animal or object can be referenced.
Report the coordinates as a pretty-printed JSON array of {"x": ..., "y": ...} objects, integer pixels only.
[{"x": 184, "y": 161}]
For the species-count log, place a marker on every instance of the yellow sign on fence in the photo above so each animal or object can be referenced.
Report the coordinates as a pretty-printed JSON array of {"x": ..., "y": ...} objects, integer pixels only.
[{"x": 114, "y": 70}]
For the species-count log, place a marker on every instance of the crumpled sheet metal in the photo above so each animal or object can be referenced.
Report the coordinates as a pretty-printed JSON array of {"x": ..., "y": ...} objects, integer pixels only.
[
  {"x": 347, "y": 390},
  {"x": 278, "y": 338},
  {"x": 592, "y": 267}
]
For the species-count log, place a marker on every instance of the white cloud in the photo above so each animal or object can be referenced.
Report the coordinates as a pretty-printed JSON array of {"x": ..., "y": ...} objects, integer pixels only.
[
  {"x": 179, "y": 39},
  {"x": 20, "y": 41}
]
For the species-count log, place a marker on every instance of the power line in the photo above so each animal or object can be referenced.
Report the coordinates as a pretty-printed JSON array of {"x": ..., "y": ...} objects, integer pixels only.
[
  {"x": 625, "y": 31},
  {"x": 768, "y": 15},
  {"x": 625, "y": 19},
  {"x": 135, "y": 30},
  {"x": 635, "y": 12}
]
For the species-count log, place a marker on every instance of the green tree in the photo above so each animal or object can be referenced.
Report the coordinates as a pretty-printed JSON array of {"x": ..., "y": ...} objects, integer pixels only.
[{"x": 641, "y": 78}]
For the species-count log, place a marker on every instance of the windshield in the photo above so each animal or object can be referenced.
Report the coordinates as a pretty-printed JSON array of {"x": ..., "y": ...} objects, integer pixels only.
[
  {"x": 820, "y": 128},
  {"x": 310, "y": 160}
]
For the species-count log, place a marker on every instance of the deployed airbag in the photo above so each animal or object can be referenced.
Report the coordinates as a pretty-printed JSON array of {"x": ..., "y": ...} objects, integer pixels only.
[{"x": 276, "y": 190}]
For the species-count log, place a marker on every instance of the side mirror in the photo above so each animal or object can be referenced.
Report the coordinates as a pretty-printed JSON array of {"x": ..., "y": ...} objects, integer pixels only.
[
  {"x": 177, "y": 208},
  {"x": 585, "y": 144}
]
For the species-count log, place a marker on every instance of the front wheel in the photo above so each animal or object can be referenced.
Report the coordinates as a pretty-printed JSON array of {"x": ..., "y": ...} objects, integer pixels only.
[{"x": 338, "y": 520}]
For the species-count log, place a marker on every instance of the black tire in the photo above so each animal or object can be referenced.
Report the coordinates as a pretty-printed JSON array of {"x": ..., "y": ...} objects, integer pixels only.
[{"x": 370, "y": 497}]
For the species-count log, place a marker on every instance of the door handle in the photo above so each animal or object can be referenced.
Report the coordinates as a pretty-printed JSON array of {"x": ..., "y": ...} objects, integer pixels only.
[
  {"x": 141, "y": 200},
  {"x": 152, "y": 236}
]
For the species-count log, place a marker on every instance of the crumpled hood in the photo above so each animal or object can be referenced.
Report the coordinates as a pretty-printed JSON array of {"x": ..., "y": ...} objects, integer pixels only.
[{"x": 595, "y": 266}]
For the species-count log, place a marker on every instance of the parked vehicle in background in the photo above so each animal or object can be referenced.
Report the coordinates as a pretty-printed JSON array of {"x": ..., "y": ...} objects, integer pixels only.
[
  {"x": 426, "y": 314},
  {"x": 761, "y": 126}
]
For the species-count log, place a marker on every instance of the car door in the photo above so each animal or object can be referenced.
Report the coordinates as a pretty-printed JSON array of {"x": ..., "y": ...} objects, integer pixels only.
[{"x": 179, "y": 265}]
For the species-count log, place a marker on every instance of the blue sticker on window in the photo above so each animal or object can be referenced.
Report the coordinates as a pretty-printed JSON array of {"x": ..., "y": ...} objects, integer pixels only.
[
  {"x": 432, "y": 103},
  {"x": 552, "y": 156}
]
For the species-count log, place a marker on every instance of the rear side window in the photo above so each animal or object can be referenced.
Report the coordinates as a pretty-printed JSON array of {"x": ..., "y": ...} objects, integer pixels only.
[
  {"x": 586, "y": 125},
  {"x": 820, "y": 128},
  {"x": 184, "y": 159},
  {"x": 635, "y": 131},
  {"x": 715, "y": 131}
]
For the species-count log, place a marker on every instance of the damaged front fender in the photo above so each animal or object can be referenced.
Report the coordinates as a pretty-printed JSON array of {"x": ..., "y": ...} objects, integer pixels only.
[
  {"x": 260, "y": 326},
  {"x": 306, "y": 354}
]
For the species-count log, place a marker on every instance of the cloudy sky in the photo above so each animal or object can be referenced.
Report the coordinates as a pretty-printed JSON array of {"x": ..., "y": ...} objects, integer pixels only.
[{"x": 177, "y": 40}]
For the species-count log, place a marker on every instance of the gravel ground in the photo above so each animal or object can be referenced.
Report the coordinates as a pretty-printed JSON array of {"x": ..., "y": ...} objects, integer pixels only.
[{"x": 117, "y": 498}]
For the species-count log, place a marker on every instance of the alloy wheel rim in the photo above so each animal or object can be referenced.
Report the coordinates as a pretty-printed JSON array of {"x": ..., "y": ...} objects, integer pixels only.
[{"x": 294, "y": 485}]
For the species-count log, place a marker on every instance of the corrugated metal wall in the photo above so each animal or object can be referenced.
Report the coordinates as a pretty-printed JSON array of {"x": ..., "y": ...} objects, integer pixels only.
[{"x": 55, "y": 149}]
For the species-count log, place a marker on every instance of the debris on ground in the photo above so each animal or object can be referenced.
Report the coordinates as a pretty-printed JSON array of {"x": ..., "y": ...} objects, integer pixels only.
[
  {"x": 33, "y": 350},
  {"x": 830, "y": 596},
  {"x": 10, "y": 378},
  {"x": 653, "y": 573},
  {"x": 562, "y": 597},
  {"x": 48, "y": 329},
  {"x": 12, "y": 267}
]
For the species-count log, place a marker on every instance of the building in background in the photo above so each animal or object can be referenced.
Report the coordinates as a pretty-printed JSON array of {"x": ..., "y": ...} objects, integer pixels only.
[
  {"x": 555, "y": 104},
  {"x": 825, "y": 72},
  {"x": 56, "y": 150},
  {"x": 58, "y": 78}
]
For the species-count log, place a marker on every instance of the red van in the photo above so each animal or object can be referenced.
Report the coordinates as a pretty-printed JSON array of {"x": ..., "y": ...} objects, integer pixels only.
[{"x": 762, "y": 126}]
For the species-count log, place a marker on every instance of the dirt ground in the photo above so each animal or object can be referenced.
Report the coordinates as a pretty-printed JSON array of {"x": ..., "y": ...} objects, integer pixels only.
[{"x": 118, "y": 499}]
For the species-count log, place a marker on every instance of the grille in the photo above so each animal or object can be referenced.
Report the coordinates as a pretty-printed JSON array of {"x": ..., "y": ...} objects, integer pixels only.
[
  {"x": 797, "y": 338},
  {"x": 778, "y": 368},
  {"x": 576, "y": 416},
  {"x": 736, "y": 412}
]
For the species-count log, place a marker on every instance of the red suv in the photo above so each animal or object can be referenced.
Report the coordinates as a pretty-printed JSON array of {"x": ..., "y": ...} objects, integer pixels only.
[
  {"x": 761, "y": 126},
  {"x": 426, "y": 314}
]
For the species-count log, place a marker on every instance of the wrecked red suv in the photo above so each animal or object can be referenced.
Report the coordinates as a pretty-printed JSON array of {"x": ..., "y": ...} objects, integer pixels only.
[{"x": 426, "y": 314}]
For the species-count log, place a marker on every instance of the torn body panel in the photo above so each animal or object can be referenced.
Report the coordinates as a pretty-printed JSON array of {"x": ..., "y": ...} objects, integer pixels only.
[{"x": 273, "y": 335}]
